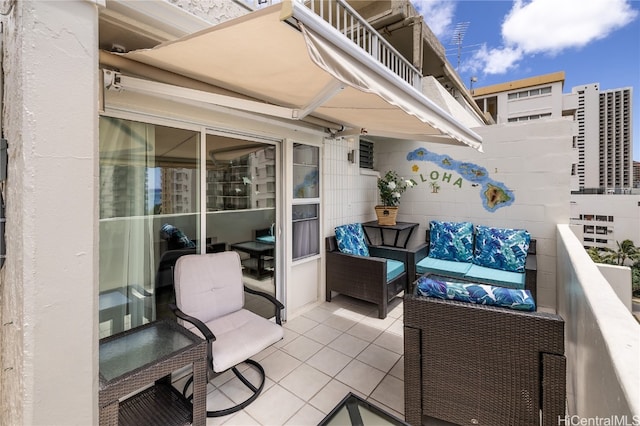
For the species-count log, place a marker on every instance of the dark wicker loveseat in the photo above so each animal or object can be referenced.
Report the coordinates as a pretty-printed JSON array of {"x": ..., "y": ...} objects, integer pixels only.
[
  {"x": 531, "y": 267},
  {"x": 473, "y": 364},
  {"x": 364, "y": 277}
]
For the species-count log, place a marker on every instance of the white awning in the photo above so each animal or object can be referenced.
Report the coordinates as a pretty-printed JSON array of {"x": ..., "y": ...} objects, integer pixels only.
[{"x": 311, "y": 69}]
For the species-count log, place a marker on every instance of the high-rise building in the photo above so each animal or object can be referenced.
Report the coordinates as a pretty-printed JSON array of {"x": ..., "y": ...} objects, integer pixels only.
[
  {"x": 615, "y": 148},
  {"x": 636, "y": 174},
  {"x": 604, "y": 139},
  {"x": 588, "y": 118}
]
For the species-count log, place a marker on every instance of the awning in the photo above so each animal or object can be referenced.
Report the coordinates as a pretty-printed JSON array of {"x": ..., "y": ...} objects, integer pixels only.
[{"x": 307, "y": 69}]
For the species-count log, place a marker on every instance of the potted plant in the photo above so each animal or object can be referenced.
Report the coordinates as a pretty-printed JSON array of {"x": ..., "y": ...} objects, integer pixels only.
[{"x": 391, "y": 187}]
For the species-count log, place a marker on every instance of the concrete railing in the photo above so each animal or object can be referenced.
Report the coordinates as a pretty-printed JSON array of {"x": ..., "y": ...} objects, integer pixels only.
[{"x": 602, "y": 340}]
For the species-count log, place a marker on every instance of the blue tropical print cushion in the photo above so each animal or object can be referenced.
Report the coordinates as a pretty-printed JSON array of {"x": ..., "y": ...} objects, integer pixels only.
[
  {"x": 175, "y": 237},
  {"x": 451, "y": 241},
  {"x": 351, "y": 240},
  {"x": 482, "y": 294},
  {"x": 501, "y": 248}
]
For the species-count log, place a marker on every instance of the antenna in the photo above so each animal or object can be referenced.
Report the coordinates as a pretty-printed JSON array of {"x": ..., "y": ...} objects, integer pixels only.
[{"x": 458, "y": 35}]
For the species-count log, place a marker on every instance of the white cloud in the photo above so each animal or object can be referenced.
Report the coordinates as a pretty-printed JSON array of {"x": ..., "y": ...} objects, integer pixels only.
[
  {"x": 438, "y": 15},
  {"x": 549, "y": 27},
  {"x": 493, "y": 61}
]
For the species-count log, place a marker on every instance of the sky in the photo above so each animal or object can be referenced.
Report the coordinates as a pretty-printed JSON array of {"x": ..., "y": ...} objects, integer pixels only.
[{"x": 592, "y": 41}]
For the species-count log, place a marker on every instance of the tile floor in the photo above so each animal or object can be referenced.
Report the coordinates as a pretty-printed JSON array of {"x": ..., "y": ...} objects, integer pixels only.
[{"x": 333, "y": 349}]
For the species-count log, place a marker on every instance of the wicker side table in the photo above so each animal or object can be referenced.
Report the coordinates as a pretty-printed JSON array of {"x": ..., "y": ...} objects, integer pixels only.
[{"x": 145, "y": 357}]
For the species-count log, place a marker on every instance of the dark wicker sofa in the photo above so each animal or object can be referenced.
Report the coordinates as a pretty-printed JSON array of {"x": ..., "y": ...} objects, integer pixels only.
[
  {"x": 472, "y": 364},
  {"x": 364, "y": 277}
]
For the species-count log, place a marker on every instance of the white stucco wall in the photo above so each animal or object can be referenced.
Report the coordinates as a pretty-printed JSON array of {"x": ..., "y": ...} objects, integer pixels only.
[
  {"x": 532, "y": 159},
  {"x": 619, "y": 278},
  {"x": 49, "y": 293},
  {"x": 213, "y": 11},
  {"x": 602, "y": 339}
]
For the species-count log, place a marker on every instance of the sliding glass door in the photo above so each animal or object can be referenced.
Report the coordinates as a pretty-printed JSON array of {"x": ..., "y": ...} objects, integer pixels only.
[
  {"x": 241, "y": 208},
  {"x": 149, "y": 212},
  {"x": 153, "y": 210}
]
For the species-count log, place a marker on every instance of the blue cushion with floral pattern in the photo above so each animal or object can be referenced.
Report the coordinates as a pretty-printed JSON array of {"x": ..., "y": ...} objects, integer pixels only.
[
  {"x": 451, "y": 241},
  {"x": 482, "y": 294},
  {"x": 501, "y": 248},
  {"x": 351, "y": 240}
]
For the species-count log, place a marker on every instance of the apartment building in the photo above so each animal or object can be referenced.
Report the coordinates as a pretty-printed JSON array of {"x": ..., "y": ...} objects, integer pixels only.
[
  {"x": 636, "y": 174},
  {"x": 604, "y": 138},
  {"x": 605, "y": 221},
  {"x": 527, "y": 99},
  {"x": 615, "y": 149}
]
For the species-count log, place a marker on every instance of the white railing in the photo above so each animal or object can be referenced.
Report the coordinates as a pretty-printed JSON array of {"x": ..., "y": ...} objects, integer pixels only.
[
  {"x": 347, "y": 21},
  {"x": 602, "y": 340}
]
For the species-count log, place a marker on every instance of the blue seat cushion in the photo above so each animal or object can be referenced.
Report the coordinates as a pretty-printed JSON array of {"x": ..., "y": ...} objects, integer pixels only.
[
  {"x": 269, "y": 239},
  {"x": 350, "y": 239},
  {"x": 483, "y": 294},
  {"x": 451, "y": 240},
  {"x": 445, "y": 267},
  {"x": 496, "y": 276},
  {"x": 501, "y": 248},
  {"x": 394, "y": 269}
]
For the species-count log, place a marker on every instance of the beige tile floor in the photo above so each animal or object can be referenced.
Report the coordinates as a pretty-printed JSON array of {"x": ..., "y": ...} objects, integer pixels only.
[{"x": 333, "y": 349}]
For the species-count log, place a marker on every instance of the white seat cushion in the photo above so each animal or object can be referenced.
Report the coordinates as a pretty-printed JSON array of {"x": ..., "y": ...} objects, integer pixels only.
[{"x": 239, "y": 336}]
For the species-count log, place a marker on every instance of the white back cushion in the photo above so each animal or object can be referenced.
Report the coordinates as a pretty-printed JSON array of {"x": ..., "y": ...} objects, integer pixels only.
[{"x": 209, "y": 286}]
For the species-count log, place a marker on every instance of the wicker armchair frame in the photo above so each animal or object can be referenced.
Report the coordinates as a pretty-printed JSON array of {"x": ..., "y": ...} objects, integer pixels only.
[
  {"x": 480, "y": 365},
  {"x": 365, "y": 278}
]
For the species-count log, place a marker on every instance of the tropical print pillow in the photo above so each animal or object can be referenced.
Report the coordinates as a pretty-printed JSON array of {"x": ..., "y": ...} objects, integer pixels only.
[
  {"x": 451, "y": 241},
  {"x": 175, "y": 237},
  {"x": 482, "y": 294},
  {"x": 351, "y": 240},
  {"x": 501, "y": 248}
]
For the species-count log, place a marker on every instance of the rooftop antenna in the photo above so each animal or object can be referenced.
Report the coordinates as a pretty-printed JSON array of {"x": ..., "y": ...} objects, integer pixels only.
[{"x": 458, "y": 35}]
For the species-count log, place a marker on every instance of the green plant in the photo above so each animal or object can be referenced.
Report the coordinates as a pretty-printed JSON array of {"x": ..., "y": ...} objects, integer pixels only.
[
  {"x": 391, "y": 187},
  {"x": 626, "y": 251}
]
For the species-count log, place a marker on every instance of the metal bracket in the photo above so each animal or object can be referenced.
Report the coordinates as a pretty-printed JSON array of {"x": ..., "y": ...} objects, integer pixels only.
[{"x": 111, "y": 80}]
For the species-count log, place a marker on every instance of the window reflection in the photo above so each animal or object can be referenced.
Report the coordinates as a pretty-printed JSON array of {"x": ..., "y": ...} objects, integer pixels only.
[{"x": 149, "y": 179}]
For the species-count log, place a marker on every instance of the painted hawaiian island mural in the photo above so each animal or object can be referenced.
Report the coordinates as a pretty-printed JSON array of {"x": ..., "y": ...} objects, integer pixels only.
[{"x": 493, "y": 194}]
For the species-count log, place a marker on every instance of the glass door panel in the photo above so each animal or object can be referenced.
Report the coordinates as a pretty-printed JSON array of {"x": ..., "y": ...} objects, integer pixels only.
[
  {"x": 306, "y": 201},
  {"x": 149, "y": 212},
  {"x": 241, "y": 209}
]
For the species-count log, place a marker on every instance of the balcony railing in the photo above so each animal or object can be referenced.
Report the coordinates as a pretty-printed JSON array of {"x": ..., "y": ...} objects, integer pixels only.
[{"x": 602, "y": 339}]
